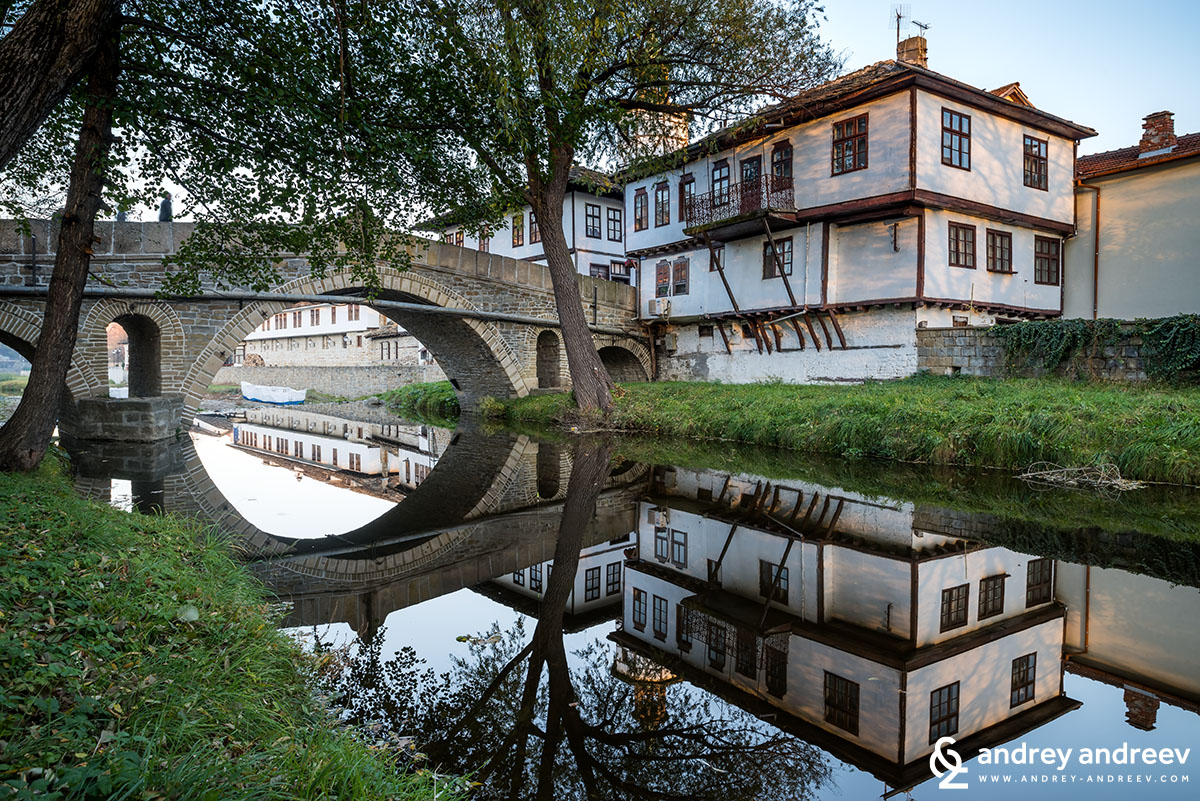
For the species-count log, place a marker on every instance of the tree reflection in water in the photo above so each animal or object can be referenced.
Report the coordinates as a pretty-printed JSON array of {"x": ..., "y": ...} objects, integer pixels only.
[{"x": 526, "y": 722}]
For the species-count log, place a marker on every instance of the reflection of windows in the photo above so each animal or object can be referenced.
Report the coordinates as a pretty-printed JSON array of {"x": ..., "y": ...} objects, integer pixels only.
[
  {"x": 776, "y": 664},
  {"x": 591, "y": 220},
  {"x": 1023, "y": 675},
  {"x": 743, "y": 657},
  {"x": 954, "y": 606},
  {"x": 772, "y": 581},
  {"x": 662, "y": 279},
  {"x": 850, "y": 145},
  {"x": 518, "y": 577},
  {"x": 1045, "y": 260},
  {"x": 1035, "y": 162},
  {"x": 683, "y": 631},
  {"x": 841, "y": 702},
  {"x": 612, "y": 578},
  {"x": 535, "y": 578},
  {"x": 662, "y": 545},
  {"x": 943, "y": 712},
  {"x": 660, "y": 618},
  {"x": 714, "y": 572},
  {"x": 679, "y": 274},
  {"x": 1038, "y": 582},
  {"x": 991, "y": 596},
  {"x": 956, "y": 139},
  {"x": 639, "y": 609},
  {"x": 679, "y": 548},
  {"x": 591, "y": 584},
  {"x": 715, "y": 639}
]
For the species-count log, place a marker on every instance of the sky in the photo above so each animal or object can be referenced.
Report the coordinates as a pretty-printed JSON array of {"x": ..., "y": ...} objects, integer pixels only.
[{"x": 1102, "y": 64}]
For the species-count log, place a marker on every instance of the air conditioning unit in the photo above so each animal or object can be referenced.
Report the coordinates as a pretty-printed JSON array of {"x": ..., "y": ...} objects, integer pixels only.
[
  {"x": 652, "y": 307},
  {"x": 658, "y": 516}
]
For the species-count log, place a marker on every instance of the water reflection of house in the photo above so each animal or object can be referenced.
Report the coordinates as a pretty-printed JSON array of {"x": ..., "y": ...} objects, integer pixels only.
[
  {"x": 872, "y": 637},
  {"x": 407, "y": 452}
]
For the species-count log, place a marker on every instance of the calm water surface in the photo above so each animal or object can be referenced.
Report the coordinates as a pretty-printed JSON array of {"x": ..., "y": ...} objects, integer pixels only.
[{"x": 637, "y": 619}]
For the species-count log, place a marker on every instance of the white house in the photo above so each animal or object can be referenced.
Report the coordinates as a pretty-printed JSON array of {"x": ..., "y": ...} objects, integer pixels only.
[
  {"x": 811, "y": 243},
  {"x": 593, "y": 220}
]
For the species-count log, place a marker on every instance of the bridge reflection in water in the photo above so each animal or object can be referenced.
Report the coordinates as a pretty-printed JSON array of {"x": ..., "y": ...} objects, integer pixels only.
[{"x": 865, "y": 625}]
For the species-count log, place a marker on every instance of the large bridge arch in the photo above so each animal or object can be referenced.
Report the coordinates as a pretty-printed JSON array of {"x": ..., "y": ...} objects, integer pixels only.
[
  {"x": 157, "y": 317},
  {"x": 20, "y": 329}
]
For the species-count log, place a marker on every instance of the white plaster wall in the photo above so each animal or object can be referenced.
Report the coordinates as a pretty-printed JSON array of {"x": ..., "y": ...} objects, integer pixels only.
[
  {"x": 861, "y": 585},
  {"x": 368, "y": 318},
  {"x": 943, "y": 281},
  {"x": 369, "y": 454},
  {"x": 996, "y": 176},
  {"x": 985, "y": 684},
  {"x": 591, "y": 557},
  {"x": 865, "y": 265}
]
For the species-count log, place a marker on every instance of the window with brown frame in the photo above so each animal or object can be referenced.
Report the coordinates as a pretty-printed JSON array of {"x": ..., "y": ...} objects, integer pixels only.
[
  {"x": 679, "y": 283},
  {"x": 612, "y": 578},
  {"x": 1046, "y": 260},
  {"x": 772, "y": 581},
  {"x": 770, "y": 265},
  {"x": 662, "y": 544},
  {"x": 714, "y": 637},
  {"x": 999, "y": 251},
  {"x": 485, "y": 243},
  {"x": 314, "y": 317},
  {"x": 687, "y": 193},
  {"x": 956, "y": 139},
  {"x": 518, "y": 230},
  {"x": 297, "y": 319},
  {"x": 1024, "y": 679},
  {"x": 535, "y": 233},
  {"x": 781, "y": 160},
  {"x": 943, "y": 712},
  {"x": 639, "y": 609},
  {"x": 614, "y": 225},
  {"x": 841, "y": 702},
  {"x": 683, "y": 631},
  {"x": 751, "y": 169},
  {"x": 662, "y": 205},
  {"x": 591, "y": 220},
  {"x": 353, "y": 312},
  {"x": 679, "y": 548},
  {"x": 1039, "y": 581},
  {"x": 776, "y": 669},
  {"x": 744, "y": 661},
  {"x": 333, "y": 314},
  {"x": 849, "y": 145},
  {"x": 962, "y": 245},
  {"x": 458, "y": 238},
  {"x": 1036, "y": 162},
  {"x": 660, "y": 617},
  {"x": 662, "y": 279},
  {"x": 720, "y": 183},
  {"x": 591, "y": 584},
  {"x": 717, "y": 260},
  {"x": 641, "y": 210},
  {"x": 954, "y": 606},
  {"x": 518, "y": 577},
  {"x": 991, "y": 596}
]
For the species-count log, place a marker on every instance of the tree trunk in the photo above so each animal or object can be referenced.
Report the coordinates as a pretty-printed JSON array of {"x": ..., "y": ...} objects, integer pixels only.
[
  {"x": 24, "y": 438},
  {"x": 45, "y": 54},
  {"x": 589, "y": 378}
]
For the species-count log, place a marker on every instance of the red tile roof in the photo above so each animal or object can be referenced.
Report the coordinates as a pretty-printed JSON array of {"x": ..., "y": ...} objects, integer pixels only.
[{"x": 1126, "y": 158}]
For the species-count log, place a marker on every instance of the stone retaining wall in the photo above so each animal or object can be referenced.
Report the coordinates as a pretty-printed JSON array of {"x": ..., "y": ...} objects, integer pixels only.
[
  {"x": 978, "y": 351},
  {"x": 346, "y": 382}
]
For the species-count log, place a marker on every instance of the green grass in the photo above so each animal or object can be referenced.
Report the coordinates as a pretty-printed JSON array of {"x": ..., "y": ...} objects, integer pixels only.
[
  {"x": 224, "y": 389},
  {"x": 1151, "y": 433},
  {"x": 12, "y": 386},
  {"x": 139, "y": 660},
  {"x": 433, "y": 402}
]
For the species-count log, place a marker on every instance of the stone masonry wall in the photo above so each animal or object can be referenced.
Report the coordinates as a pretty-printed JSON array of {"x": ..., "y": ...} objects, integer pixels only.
[
  {"x": 346, "y": 382},
  {"x": 978, "y": 351}
]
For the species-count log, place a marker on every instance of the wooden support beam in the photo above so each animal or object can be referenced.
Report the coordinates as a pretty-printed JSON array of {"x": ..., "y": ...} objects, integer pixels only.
[
  {"x": 754, "y": 330},
  {"x": 778, "y": 262},
  {"x": 799, "y": 333},
  {"x": 778, "y": 337},
  {"x": 775, "y": 581},
  {"x": 760, "y": 326},
  {"x": 837, "y": 512},
  {"x": 714, "y": 262},
  {"x": 811, "y": 331},
  {"x": 825, "y": 328},
  {"x": 724, "y": 336},
  {"x": 837, "y": 328}
]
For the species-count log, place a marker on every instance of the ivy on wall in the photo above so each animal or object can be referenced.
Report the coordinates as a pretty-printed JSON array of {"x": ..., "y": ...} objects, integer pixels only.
[{"x": 1171, "y": 346}]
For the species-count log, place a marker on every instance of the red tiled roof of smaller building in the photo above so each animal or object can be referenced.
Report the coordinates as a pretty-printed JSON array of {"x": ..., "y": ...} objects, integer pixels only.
[
  {"x": 1013, "y": 93},
  {"x": 1126, "y": 158}
]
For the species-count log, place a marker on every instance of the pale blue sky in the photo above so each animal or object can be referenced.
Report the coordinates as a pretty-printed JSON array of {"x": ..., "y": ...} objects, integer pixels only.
[{"x": 1103, "y": 64}]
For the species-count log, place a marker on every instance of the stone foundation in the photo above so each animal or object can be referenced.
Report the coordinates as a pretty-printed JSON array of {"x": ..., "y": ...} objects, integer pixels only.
[
  {"x": 125, "y": 419},
  {"x": 978, "y": 351},
  {"x": 346, "y": 382}
]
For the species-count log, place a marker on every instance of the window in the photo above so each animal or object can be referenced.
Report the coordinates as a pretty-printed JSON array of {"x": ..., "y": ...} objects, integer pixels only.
[
  {"x": 679, "y": 548},
  {"x": 281, "y": 321},
  {"x": 333, "y": 314},
  {"x": 314, "y": 316},
  {"x": 679, "y": 274},
  {"x": 943, "y": 712},
  {"x": 683, "y": 632},
  {"x": 535, "y": 578},
  {"x": 335, "y": 463},
  {"x": 618, "y": 271},
  {"x": 715, "y": 638},
  {"x": 660, "y": 618},
  {"x": 641, "y": 210},
  {"x": 841, "y": 702},
  {"x": 1038, "y": 582},
  {"x": 614, "y": 225},
  {"x": 714, "y": 572},
  {"x": 353, "y": 312},
  {"x": 662, "y": 279},
  {"x": 717, "y": 261},
  {"x": 1045, "y": 260},
  {"x": 612, "y": 578},
  {"x": 535, "y": 233},
  {"x": 267, "y": 324},
  {"x": 356, "y": 462},
  {"x": 781, "y": 160},
  {"x": 991, "y": 596},
  {"x": 518, "y": 230},
  {"x": 639, "y": 610},
  {"x": 298, "y": 449},
  {"x": 316, "y": 453},
  {"x": 591, "y": 220},
  {"x": 662, "y": 545},
  {"x": 458, "y": 238},
  {"x": 591, "y": 584},
  {"x": 850, "y": 145},
  {"x": 771, "y": 264},
  {"x": 598, "y": 270},
  {"x": 297, "y": 319},
  {"x": 773, "y": 581},
  {"x": 662, "y": 205},
  {"x": 485, "y": 243},
  {"x": 956, "y": 139},
  {"x": 1024, "y": 674},
  {"x": 744, "y": 654},
  {"x": 687, "y": 194},
  {"x": 1036, "y": 173},
  {"x": 999, "y": 251},
  {"x": 954, "y": 606},
  {"x": 751, "y": 169},
  {"x": 962, "y": 245},
  {"x": 776, "y": 663},
  {"x": 518, "y": 577},
  {"x": 720, "y": 183}
]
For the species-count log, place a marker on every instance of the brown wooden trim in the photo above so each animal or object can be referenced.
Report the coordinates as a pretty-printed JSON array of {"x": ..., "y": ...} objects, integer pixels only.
[
  {"x": 987, "y": 258},
  {"x": 778, "y": 258},
  {"x": 1019, "y": 310},
  {"x": 921, "y": 254},
  {"x": 951, "y": 203},
  {"x": 684, "y": 180},
  {"x": 799, "y": 334},
  {"x": 1046, "y": 162},
  {"x": 720, "y": 265},
  {"x": 833, "y": 142},
  {"x": 759, "y": 326},
  {"x": 985, "y": 101},
  {"x": 912, "y": 605},
  {"x": 1058, "y": 267},
  {"x": 757, "y": 338},
  {"x": 820, "y": 579},
  {"x": 725, "y": 338},
  {"x": 942, "y": 144},
  {"x": 912, "y": 138},
  {"x": 812, "y": 332},
  {"x": 903, "y": 713},
  {"x": 824, "y": 263},
  {"x": 837, "y": 329},
  {"x": 959, "y": 226},
  {"x": 828, "y": 340}
]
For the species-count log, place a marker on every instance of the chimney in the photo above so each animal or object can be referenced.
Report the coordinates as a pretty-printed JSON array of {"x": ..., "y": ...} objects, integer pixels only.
[
  {"x": 913, "y": 50},
  {"x": 1141, "y": 709},
  {"x": 1158, "y": 132}
]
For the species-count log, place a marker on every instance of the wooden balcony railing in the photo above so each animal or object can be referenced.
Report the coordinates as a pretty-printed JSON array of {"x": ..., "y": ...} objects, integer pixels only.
[{"x": 740, "y": 199}]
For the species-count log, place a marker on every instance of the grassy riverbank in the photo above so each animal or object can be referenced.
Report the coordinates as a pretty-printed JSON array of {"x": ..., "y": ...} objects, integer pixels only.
[
  {"x": 138, "y": 660},
  {"x": 1151, "y": 433},
  {"x": 434, "y": 402}
]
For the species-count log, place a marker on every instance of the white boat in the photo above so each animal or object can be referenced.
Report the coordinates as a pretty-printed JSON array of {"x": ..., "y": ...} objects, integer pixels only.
[{"x": 281, "y": 396}]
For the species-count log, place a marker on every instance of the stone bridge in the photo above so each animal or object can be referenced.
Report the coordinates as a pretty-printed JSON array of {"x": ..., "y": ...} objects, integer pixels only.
[{"x": 502, "y": 340}]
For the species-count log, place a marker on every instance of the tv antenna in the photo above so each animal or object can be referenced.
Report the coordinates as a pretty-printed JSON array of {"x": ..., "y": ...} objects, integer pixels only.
[
  {"x": 924, "y": 26},
  {"x": 900, "y": 16}
]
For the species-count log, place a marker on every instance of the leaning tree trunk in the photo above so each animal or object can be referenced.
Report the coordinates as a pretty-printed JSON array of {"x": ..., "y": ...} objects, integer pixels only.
[
  {"x": 589, "y": 378},
  {"x": 24, "y": 438},
  {"x": 46, "y": 53}
]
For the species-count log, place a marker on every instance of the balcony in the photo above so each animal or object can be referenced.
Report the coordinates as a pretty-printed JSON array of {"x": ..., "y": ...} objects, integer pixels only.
[{"x": 737, "y": 210}]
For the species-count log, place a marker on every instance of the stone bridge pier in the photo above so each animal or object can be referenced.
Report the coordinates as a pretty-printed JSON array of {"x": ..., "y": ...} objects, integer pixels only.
[{"x": 501, "y": 339}]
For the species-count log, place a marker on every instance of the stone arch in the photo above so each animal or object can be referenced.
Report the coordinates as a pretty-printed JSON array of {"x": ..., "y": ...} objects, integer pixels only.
[
  {"x": 549, "y": 470},
  {"x": 549, "y": 370},
  {"x": 626, "y": 358},
  {"x": 161, "y": 339},
  {"x": 20, "y": 330}
]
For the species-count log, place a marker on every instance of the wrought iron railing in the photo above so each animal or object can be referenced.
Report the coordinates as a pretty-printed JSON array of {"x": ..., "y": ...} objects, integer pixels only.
[{"x": 737, "y": 200}]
